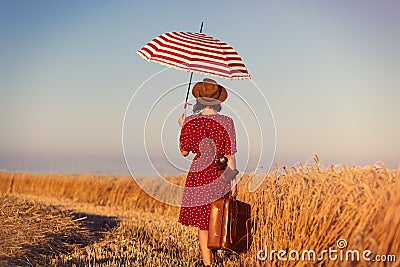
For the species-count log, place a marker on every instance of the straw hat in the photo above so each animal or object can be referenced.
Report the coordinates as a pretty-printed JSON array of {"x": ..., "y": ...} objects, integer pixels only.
[{"x": 209, "y": 92}]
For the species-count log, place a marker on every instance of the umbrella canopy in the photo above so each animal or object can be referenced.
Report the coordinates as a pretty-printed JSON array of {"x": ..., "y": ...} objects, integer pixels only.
[{"x": 195, "y": 52}]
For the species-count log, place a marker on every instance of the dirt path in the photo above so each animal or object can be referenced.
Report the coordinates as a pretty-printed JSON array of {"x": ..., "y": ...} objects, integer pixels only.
[
  {"x": 124, "y": 238},
  {"x": 78, "y": 207},
  {"x": 98, "y": 219}
]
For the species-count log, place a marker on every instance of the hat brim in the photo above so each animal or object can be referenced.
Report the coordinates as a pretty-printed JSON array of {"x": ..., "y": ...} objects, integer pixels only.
[{"x": 209, "y": 101}]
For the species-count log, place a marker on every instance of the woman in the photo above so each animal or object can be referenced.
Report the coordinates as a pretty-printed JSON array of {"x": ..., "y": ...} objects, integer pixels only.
[{"x": 207, "y": 134}]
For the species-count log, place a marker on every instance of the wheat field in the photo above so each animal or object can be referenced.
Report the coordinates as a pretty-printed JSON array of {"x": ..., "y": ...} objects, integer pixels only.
[{"x": 99, "y": 220}]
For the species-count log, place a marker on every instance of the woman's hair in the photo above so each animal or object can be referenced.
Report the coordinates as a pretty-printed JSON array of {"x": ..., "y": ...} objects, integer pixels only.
[{"x": 198, "y": 107}]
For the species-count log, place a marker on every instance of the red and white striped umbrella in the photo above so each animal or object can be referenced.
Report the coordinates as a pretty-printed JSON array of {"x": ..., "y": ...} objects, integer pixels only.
[{"x": 195, "y": 52}]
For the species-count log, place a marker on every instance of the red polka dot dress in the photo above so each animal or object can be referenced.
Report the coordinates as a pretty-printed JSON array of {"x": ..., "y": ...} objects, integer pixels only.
[{"x": 203, "y": 185}]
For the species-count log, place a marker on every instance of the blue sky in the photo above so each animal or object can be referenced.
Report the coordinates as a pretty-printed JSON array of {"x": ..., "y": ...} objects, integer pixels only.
[{"x": 68, "y": 69}]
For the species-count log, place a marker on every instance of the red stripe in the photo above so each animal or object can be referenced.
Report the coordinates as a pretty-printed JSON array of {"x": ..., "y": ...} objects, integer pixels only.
[
  {"x": 182, "y": 58},
  {"x": 190, "y": 66},
  {"x": 185, "y": 39},
  {"x": 188, "y": 62},
  {"x": 231, "y": 71},
  {"x": 204, "y": 45},
  {"x": 191, "y": 53},
  {"x": 233, "y": 55},
  {"x": 194, "y": 66},
  {"x": 186, "y": 58},
  {"x": 172, "y": 46},
  {"x": 239, "y": 74},
  {"x": 209, "y": 71},
  {"x": 213, "y": 44},
  {"x": 194, "y": 46},
  {"x": 197, "y": 46},
  {"x": 216, "y": 44},
  {"x": 236, "y": 65},
  {"x": 145, "y": 50},
  {"x": 195, "y": 36},
  {"x": 177, "y": 51},
  {"x": 199, "y": 37}
]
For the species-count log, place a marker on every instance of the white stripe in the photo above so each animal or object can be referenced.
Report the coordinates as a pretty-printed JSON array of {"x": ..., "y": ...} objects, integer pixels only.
[
  {"x": 226, "y": 57},
  {"x": 144, "y": 53},
  {"x": 215, "y": 46},
  {"x": 188, "y": 62},
  {"x": 192, "y": 50},
  {"x": 209, "y": 41},
  {"x": 202, "y": 40},
  {"x": 213, "y": 51},
  {"x": 187, "y": 40},
  {"x": 172, "y": 63},
  {"x": 227, "y": 68},
  {"x": 200, "y": 62},
  {"x": 184, "y": 64},
  {"x": 194, "y": 59},
  {"x": 235, "y": 75},
  {"x": 222, "y": 61}
]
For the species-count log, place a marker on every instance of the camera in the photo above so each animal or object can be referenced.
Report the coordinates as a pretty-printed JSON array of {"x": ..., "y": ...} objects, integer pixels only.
[{"x": 221, "y": 162}]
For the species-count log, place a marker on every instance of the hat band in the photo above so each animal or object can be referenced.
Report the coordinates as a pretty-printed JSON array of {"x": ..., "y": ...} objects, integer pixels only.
[{"x": 212, "y": 99}]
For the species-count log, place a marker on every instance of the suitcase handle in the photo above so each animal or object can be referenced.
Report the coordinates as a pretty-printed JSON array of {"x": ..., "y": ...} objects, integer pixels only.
[{"x": 229, "y": 195}]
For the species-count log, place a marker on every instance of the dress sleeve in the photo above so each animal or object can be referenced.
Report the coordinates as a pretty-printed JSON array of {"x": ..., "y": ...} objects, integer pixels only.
[
  {"x": 230, "y": 139},
  {"x": 184, "y": 139}
]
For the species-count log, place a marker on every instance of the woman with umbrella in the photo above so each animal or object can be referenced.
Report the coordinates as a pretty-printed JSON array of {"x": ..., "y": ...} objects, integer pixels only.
[{"x": 208, "y": 135}]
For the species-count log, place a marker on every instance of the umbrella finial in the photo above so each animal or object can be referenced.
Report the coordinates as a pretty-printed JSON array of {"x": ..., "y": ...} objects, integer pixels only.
[{"x": 201, "y": 27}]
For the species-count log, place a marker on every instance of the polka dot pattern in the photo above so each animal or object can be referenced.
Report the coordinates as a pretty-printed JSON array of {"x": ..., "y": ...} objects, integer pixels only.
[{"x": 202, "y": 185}]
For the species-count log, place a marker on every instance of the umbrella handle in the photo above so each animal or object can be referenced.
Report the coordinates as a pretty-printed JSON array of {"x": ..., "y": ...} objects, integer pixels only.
[
  {"x": 187, "y": 93},
  {"x": 184, "y": 108}
]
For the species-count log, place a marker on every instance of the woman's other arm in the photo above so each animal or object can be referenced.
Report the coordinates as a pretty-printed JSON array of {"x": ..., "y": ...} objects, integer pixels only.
[
  {"x": 231, "y": 161},
  {"x": 232, "y": 165}
]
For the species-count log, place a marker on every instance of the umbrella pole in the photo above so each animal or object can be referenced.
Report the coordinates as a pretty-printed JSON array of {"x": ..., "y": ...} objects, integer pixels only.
[
  {"x": 187, "y": 93},
  {"x": 190, "y": 80}
]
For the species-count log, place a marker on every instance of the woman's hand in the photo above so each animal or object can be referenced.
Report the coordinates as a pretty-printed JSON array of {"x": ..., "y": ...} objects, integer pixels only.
[{"x": 181, "y": 119}]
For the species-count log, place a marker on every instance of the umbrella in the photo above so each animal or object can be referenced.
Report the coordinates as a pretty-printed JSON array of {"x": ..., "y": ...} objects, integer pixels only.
[{"x": 195, "y": 52}]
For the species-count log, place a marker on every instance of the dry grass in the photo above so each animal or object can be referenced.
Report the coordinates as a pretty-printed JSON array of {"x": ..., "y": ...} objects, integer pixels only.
[
  {"x": 308, "y": 207},
  {"x": 311, "y": 208},
  {"x": 32, "y": 233},
  {"x": 101, "y": 190}
]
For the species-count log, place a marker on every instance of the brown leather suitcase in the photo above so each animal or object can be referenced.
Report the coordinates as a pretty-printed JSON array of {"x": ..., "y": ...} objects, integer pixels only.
[{"x": 230, "y": 225}]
